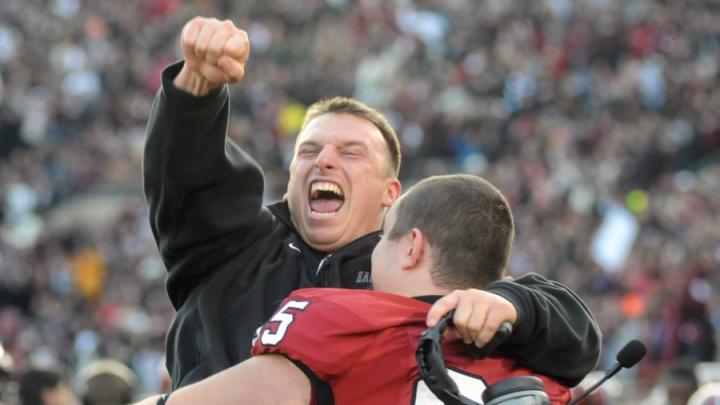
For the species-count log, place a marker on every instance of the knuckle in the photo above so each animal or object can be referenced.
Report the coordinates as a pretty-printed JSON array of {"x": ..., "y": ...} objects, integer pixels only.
[
  {"x": 237, "y": 75},
  {"x": 215, "y": 48},
  {"x": 477, "y": 326},
  {"x": 190, "y": 27},
  {"x": 245, "y": 41},
  {"x": 196, "y": 23},
  {"x": 492, "y": 326},
  {"x": 443, "y": 303}
]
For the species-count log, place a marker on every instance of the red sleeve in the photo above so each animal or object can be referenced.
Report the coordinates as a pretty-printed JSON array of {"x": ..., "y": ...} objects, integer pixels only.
[{"x": 321, "y": 334}]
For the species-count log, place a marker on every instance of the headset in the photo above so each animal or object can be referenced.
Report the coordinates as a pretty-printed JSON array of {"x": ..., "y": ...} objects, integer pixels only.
[{"x": 525, "y": 390}]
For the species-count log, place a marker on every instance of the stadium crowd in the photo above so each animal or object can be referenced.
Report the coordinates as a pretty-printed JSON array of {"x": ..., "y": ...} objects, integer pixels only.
[{"x": 597, "y": 119}]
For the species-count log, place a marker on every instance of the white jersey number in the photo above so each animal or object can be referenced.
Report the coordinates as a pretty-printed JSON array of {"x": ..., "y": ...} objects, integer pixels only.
[{"x": 284, "y": 319}]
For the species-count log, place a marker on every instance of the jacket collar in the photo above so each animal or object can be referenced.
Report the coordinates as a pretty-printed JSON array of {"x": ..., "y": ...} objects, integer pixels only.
[{"x": 281, "y": 211}]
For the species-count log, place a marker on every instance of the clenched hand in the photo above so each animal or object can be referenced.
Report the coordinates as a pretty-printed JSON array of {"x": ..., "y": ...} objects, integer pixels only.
[{"x": 215, "y": 53}]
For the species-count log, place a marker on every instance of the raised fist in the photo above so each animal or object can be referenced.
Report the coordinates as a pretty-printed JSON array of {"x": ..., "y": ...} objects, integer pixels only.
[{"x": 215, "y": 53}]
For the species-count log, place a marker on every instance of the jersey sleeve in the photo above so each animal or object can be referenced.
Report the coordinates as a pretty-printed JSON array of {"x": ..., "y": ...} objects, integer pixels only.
[{"x": 324, "y": 336}]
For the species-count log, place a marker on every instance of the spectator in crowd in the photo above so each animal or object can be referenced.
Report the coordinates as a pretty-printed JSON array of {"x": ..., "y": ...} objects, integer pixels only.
[
  {"x": 45, "y": 387},
  {"x": 8, "y": 385},
  {"x": 707, "y": 394},
  {"x": 106, "y": 382},
  {"x": 675, "y": 386}
]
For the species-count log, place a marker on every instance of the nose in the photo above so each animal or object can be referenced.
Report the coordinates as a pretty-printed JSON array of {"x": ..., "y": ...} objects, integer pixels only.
[{"x": 327, "y": 158}]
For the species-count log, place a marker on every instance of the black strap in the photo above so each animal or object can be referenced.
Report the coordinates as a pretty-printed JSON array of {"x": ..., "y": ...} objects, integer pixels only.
[{"x": 431, "y": 362}]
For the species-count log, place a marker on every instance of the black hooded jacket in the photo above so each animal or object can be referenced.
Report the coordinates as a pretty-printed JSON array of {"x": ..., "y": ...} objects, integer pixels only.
[{"x": 231, "y": 259}]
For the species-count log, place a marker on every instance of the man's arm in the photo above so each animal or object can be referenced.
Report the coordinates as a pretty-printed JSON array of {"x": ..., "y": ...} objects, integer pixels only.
[
  {"x": 266, "y": 379},
  {"x": 204, "y": 193},
  {"x": 554, "y": 332}
]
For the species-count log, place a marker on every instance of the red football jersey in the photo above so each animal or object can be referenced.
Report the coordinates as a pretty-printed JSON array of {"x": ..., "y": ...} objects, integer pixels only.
[{"x": 362, "y": 343}]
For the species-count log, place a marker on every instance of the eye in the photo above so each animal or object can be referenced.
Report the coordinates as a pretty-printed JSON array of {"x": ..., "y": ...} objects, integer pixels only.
[
  {"x": 351, "y": 152},
  {"x": 305, "y": 152}
]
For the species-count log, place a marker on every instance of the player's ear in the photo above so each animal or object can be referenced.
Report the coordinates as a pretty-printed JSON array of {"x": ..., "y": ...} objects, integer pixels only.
[{"x": 415, "y": 248}]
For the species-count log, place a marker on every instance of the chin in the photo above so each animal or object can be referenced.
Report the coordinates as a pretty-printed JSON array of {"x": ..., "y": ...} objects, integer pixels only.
[{"x": 322, "y": 241}]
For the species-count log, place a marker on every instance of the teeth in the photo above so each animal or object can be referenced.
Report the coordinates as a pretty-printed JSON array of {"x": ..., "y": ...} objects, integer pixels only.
[
  {"x": 324, "y": 214},
  {"x": 325, "y": 186}
]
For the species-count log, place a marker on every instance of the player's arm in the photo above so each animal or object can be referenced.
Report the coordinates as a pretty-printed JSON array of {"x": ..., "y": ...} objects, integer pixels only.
[{"x": 266, "y": 379}]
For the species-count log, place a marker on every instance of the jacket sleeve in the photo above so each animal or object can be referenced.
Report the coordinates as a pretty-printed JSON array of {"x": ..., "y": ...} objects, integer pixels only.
[
  {"x": 555, "y": 333},
  {"x": 203, "y": 192}
]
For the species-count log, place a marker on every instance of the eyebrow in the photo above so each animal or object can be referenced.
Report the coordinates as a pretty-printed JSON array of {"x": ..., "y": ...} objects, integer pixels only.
[
  {"x": 308, "y": 143},
  {"x": 343, "y": 145},
  {"x": 354, "y": 143}
]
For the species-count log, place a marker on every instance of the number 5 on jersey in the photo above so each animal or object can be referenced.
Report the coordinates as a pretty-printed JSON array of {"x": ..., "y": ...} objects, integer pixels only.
[{"x": 283, "y": 319}]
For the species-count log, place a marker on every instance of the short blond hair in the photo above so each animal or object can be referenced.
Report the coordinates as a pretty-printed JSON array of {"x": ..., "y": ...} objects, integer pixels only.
[{"x": 346, "y": 105}]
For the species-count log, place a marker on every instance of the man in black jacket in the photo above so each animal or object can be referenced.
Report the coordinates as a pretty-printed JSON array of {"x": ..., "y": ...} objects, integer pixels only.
[{"x": 231, "y": 260}]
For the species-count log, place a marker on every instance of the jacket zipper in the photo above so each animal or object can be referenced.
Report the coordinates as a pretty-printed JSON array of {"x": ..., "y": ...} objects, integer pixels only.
[{"x": 323, "y": 263}]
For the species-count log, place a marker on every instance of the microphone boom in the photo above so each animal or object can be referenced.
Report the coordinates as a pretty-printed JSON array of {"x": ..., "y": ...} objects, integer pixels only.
[{"x": 627, "y": 357}]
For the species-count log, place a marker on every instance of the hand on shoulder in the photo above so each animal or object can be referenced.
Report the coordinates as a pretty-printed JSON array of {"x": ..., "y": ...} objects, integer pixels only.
[{"x": 478, "y": 315}]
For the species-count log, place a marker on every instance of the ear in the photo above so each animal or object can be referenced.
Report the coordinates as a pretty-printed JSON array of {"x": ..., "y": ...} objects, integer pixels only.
[
  {"x": 284, "y": 198},
  {"x": 392, "y": 192},
  {"x": 415, "y": 249}
]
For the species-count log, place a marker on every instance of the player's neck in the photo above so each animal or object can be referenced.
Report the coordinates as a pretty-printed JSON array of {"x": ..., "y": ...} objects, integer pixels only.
[{"x": 419, "y": 286}]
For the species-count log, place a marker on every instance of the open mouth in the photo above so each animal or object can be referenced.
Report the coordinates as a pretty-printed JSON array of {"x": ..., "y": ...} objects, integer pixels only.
[{"x": 325, "y": 198}]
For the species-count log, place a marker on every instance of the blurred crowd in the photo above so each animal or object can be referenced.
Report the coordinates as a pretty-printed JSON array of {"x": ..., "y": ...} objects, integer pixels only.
[{"x": 597, "y": 118}]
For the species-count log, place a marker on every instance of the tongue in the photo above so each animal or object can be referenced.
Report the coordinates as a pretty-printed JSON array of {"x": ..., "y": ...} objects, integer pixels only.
[{"x": 324, "y": 205}]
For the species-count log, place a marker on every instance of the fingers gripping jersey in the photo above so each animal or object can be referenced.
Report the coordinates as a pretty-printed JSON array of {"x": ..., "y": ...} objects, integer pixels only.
[{"x": 362, "y": 343}]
